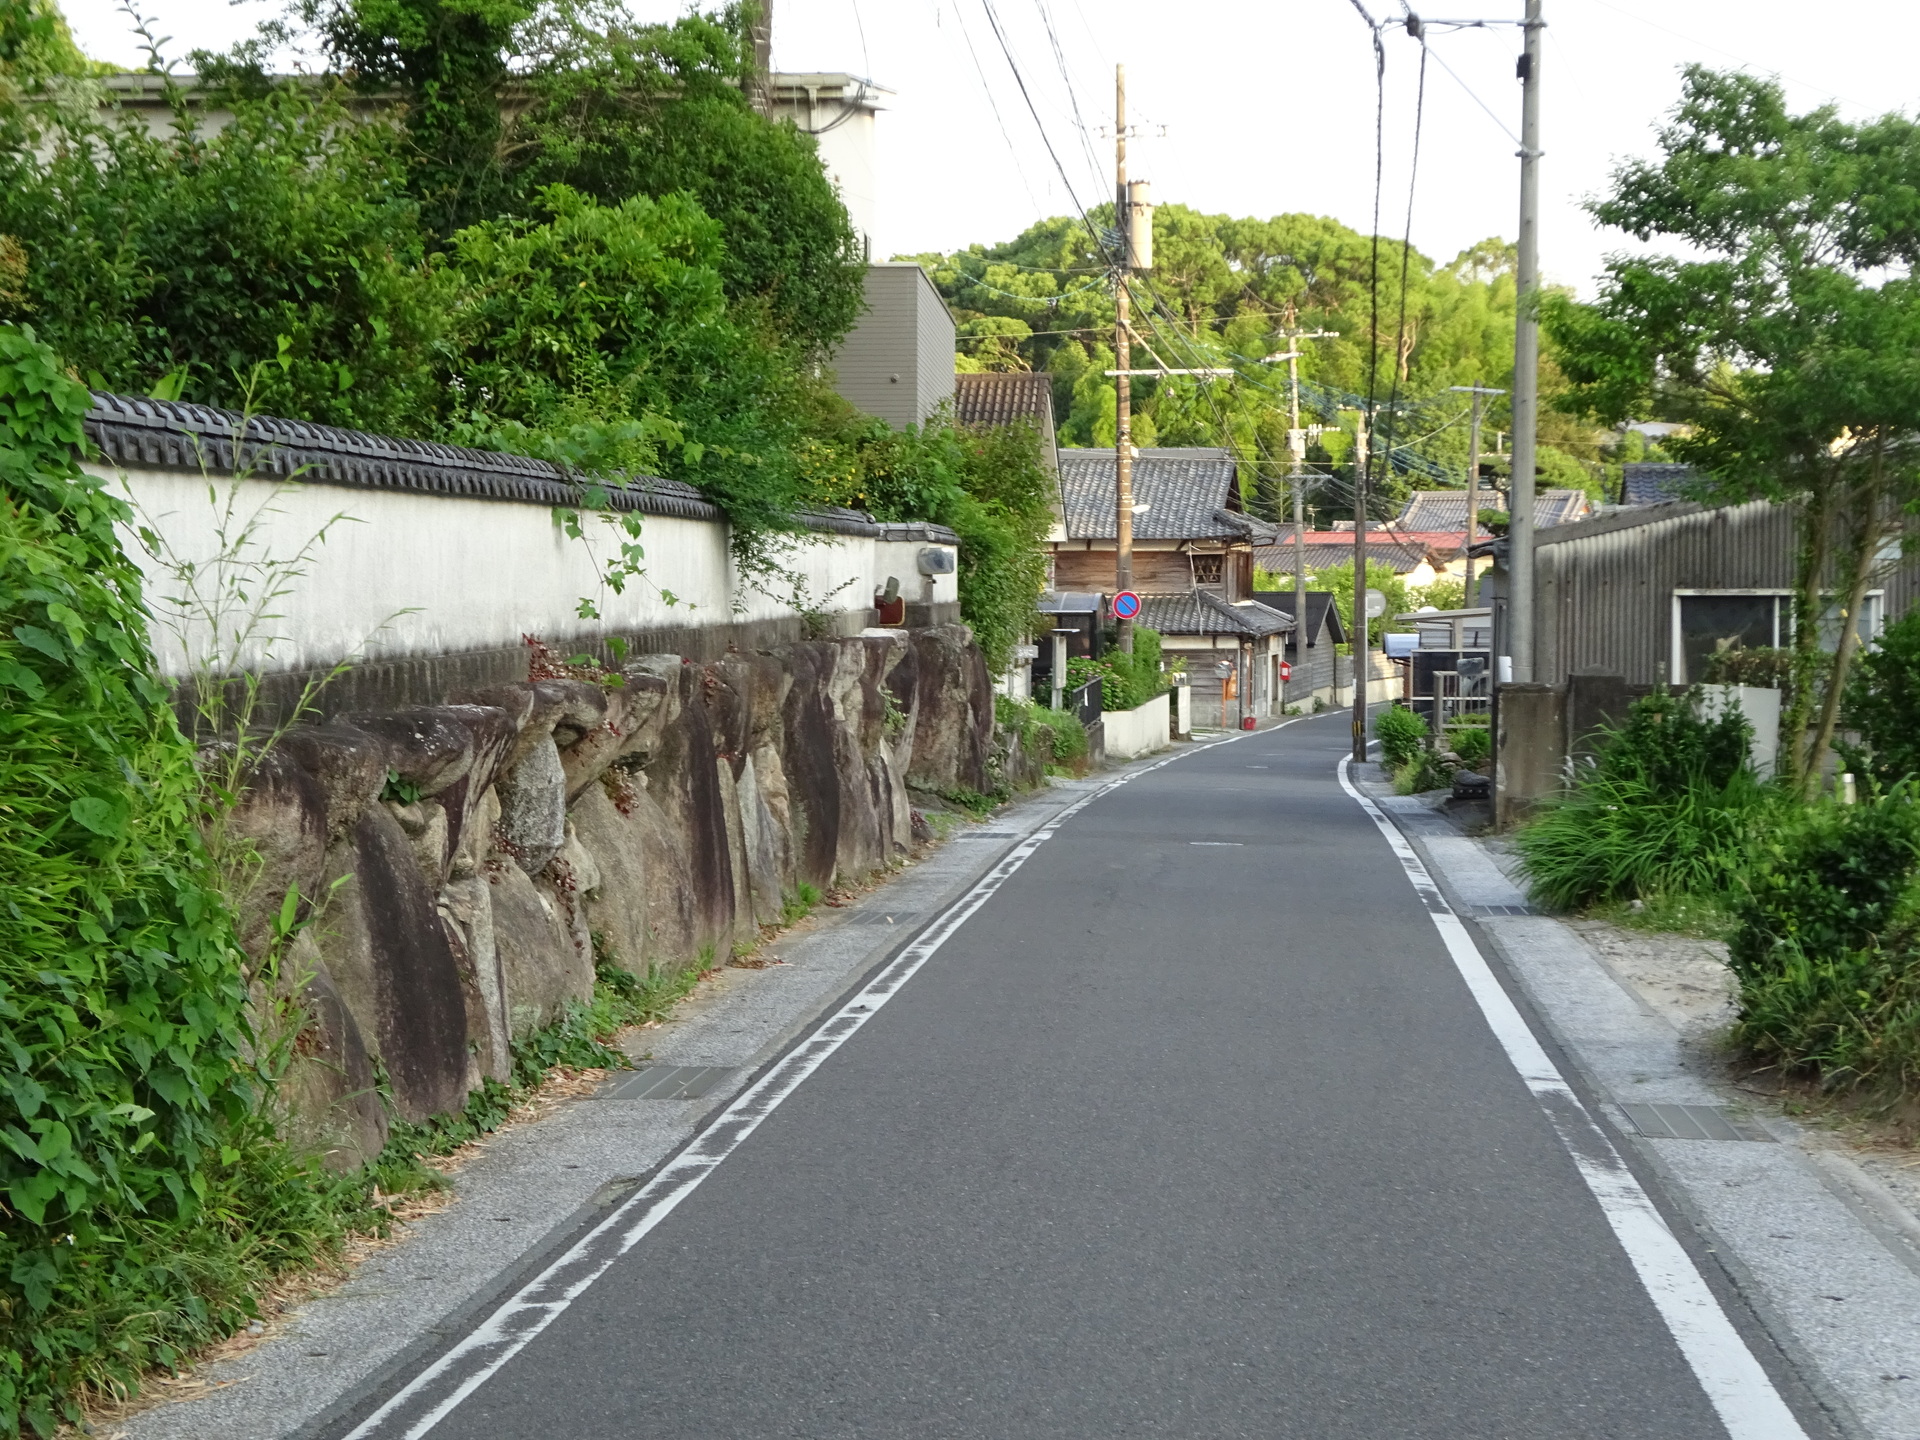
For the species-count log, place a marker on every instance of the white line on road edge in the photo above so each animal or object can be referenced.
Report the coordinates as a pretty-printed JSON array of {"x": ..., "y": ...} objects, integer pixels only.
[
  {"x": 1740, "y": 1390},
  {"x": 435, "y": 1392}
]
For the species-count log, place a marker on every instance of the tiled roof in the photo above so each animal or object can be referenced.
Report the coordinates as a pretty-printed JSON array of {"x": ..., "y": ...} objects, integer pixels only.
[
  {"x": 1199, "y": 612},
  {"x": 1324, "y": 554},
  {"x": 1447, "y": 509},
  {"x": 1001, "y": 399},
  {"x": 1322, "y": 613},
  {"x": 1189, "y": 494},
  {"x": 170, "y": 435},
  {"x": 1646, "y": 484}
]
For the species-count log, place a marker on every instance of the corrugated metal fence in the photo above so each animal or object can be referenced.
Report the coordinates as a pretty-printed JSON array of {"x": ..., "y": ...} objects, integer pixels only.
[{"x": 1605, "y": 586}]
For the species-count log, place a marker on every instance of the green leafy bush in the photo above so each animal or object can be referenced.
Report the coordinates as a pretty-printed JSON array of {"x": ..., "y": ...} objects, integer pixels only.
[
  {"x": 1882, "y": 702},
  {"x": 1472, "y": 743},
  {"x": 1064, "y": 736},
  {"x": 1126, "y": 681},
  {"x": 1669, "y": 806},
  {"x": 1401, "y": 733},
  {"x": 1825, "y": 946}
]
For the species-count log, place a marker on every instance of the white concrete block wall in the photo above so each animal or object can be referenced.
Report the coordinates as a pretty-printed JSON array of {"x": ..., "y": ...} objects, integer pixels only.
[{"x": 402, "y": 574}]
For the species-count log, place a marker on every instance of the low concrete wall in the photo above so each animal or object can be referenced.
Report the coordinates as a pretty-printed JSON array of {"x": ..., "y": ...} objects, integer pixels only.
[
  {"x": 1530, "y": 750},
  {"x": 1139, "y": 731}
]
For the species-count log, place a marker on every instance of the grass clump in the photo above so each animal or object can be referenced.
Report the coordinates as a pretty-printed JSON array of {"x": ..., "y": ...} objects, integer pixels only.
[{"x": 1669, "y": 807}]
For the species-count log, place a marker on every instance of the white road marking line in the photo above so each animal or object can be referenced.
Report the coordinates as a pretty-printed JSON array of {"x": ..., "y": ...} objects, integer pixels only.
[
  {"x": 438, "y": 1390},
  {"x": 1232, "y": 844},
  {"x": 1741, "y": 1392}
]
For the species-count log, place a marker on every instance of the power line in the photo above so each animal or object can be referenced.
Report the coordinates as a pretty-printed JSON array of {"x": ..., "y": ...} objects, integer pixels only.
[
  {"x": 994, "y": 104},
  {"x": 1006, "y": 50},
  {"x": 1406, "y": 248},
  {"x": 1439, "y": 60},
  {"x": 1073, "y": 97}
]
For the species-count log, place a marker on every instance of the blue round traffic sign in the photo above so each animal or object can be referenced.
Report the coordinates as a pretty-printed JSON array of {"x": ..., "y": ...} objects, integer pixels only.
[{"x": 1126, "y": 606}]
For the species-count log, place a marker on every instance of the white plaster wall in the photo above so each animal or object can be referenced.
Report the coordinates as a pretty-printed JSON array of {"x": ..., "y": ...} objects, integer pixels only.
[
  {"x": 1139, "y": 731},
  {"x": 401, "y": 574}
]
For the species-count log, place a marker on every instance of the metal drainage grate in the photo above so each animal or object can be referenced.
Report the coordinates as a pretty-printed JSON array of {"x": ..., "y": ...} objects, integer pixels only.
[
  {"x": 1493, "y": 912},
  {"x": 880, "y": 918},
  {"x": 670, "y": 1082},
  {"x": 988, "y": 835},
  {"x": 1691, "y": 1122}
]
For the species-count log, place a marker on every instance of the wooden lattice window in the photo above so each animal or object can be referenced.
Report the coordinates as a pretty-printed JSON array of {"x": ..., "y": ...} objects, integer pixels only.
[{"x": 1207, "y": 569}]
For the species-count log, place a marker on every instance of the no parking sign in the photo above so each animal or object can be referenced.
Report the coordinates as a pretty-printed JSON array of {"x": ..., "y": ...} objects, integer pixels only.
[{"x": 1126, "y": 606}]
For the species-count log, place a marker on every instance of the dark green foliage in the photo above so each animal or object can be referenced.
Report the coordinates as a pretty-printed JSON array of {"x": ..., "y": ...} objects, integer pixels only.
[
  {"x": 1669, "y": 807},
  {"x": 1472, "y": 743},
  {"x": 1762, "y": 667},
  {"x": 1126, "y": 681},
  {"x": 1831, "y": 878},
  {"x": 1883, "y": 701},
  {"x": 1401, "y": 733},
  {"x": 613, "y": 110},
  {"x": 1665, "y": 744},
  {"x": 1058, "y": 732},
  {"x": 988, "y": 484},
  {"x": 277, "y": 263},
  {"x": 144, "y": 1191},
  {"x": 1825, "y": 947}
]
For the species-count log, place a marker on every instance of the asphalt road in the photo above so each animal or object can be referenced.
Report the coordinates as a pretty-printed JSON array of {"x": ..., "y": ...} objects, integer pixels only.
[{"x": 1193, "y": 1130}]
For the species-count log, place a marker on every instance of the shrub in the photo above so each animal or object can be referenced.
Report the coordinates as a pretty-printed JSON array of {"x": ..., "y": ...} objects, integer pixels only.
[
  {"x": 1669, "y": 806},
  {"x": 1882, "y": 701},
  {"x": 1401, "y": 733},
  {"x": 1825, "y": 945},
  {"x": 1472, "y": 743},
  {"x": 1125, "y": 680}
]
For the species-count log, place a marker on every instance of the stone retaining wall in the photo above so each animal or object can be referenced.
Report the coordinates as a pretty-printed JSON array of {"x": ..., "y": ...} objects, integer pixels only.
[{"x": 471, "y": 860}]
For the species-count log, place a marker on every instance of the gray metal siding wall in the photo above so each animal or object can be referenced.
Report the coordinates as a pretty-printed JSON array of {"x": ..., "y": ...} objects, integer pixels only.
[
  {"x": 933, "y": 364},
  {"x": 1605, "y": 601},
  {"x": 898, "y": 361}
]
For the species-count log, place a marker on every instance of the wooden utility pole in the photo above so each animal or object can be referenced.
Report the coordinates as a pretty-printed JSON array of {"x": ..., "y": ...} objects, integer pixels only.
[
  {"x": 1123, "y": 360},
  {"x": 1473, "y": 476},
  {"x": 1297, "y": 453},
  {"x": 1357, "y": 641}
]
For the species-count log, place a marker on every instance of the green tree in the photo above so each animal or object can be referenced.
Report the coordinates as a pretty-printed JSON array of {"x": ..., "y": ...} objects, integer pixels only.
[{"x": 1781, "y": 340}]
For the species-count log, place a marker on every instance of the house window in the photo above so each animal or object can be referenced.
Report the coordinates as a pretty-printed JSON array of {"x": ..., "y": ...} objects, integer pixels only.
[
  {"x": 1208, "y": 569},
  {"x": 1705, "y": 621}
]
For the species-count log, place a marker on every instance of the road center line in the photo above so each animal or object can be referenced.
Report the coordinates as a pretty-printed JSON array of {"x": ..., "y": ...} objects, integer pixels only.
[
  {"x": 1740, "y": 1390},
  {"x": 438, "y": 1390}
]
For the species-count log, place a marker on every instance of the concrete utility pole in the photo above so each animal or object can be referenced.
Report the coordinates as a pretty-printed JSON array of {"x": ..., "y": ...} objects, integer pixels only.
[
  {"x": 1473, "y": 475},
  {"x": 1357, "y": 641},
  {"x": 760, "y": 32},
  {"x": 1526, "y": 364},
  {"x": 1123, "y": 360}
]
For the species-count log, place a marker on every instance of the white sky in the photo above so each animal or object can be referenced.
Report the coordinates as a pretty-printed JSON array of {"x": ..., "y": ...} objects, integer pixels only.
[{"x": 1268, "y": 104}]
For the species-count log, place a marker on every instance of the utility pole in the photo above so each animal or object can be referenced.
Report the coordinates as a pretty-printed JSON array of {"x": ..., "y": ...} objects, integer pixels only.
[
  {"x": 1473, "y": 474},
  {"x": 760, "y": 33},
  {"x": 1123, "y": 360},
  {"x": 1357, "y": 641},
  {"x": 1297, "y": 452},
  {"x": 1526, "y": 364}
]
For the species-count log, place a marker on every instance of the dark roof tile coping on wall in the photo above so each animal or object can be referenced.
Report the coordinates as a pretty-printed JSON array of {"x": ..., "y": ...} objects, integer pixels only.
[{"x": 134, "y": 432}]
